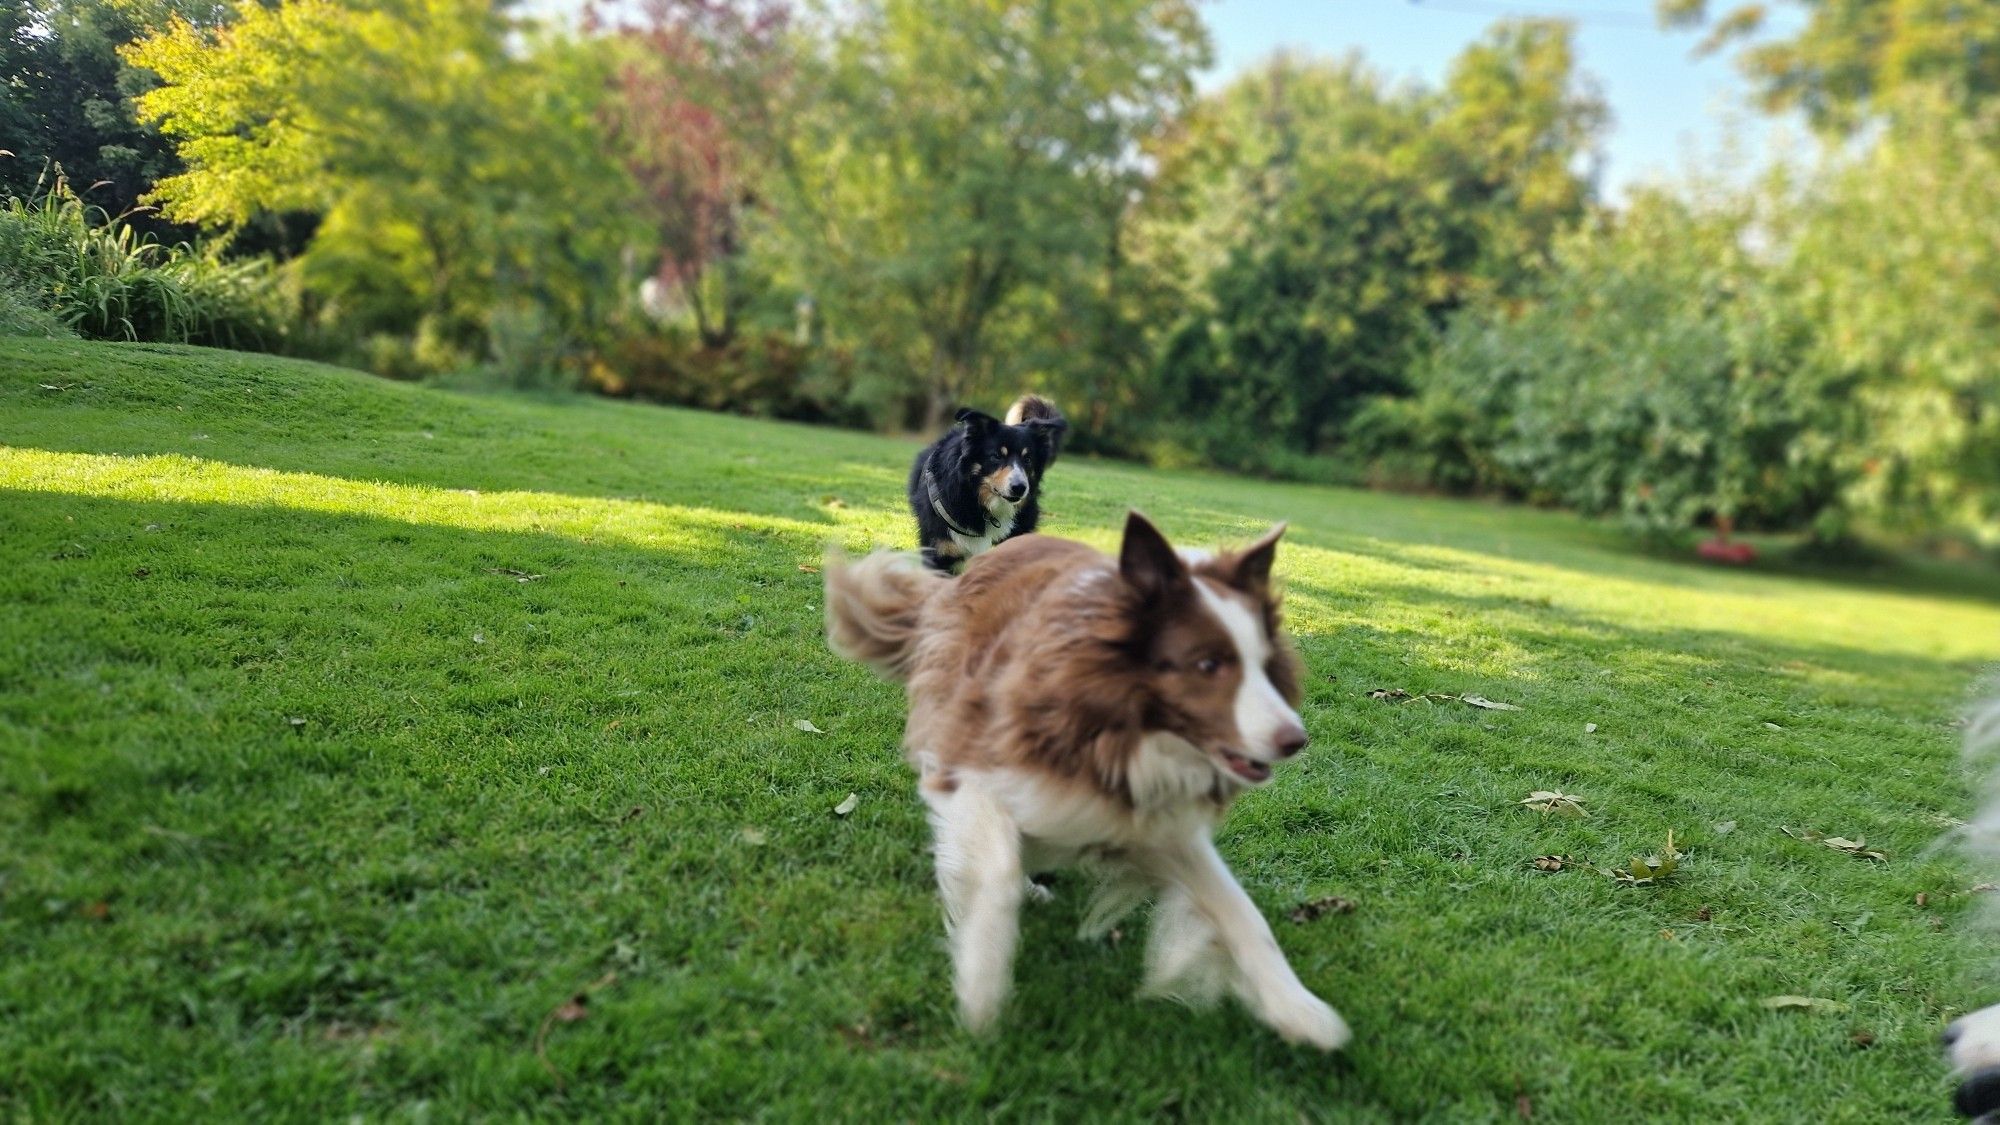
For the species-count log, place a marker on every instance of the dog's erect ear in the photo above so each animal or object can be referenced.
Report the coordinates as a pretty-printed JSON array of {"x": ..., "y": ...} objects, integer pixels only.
[
  {"x": 1250, "y": 568},
  {"x": 973, "y": 421},
  {"x": 1048, "y": 436},
  {"x": 1148, "y": 562}
]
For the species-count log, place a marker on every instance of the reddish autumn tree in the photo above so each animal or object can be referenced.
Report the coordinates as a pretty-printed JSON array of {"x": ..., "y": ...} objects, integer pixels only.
[{"x": 695, "y": 82}]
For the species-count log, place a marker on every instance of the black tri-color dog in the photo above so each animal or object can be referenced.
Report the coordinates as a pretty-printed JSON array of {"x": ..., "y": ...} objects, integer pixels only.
[{"x": 981, "y": 482}]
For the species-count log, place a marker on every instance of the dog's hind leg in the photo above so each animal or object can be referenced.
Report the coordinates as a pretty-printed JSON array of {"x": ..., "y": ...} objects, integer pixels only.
[
  {"x": 982, "y": 881},
  {"x": 1262, "y": 977},
  {"x": 1119, "y": 892}
]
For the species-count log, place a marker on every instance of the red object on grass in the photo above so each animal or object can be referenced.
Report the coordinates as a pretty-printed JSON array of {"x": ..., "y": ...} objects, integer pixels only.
[
  {"x": 1723, "y": 551},
  {"x": 1720, "y": 549}
]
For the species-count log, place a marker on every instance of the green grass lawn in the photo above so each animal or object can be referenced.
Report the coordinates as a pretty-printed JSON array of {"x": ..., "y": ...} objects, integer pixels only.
[{"x": 310, "y": 806}]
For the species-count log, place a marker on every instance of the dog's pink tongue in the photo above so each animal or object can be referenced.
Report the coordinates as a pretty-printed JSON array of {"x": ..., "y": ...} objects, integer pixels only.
[{"x": 1247, "y": 769}]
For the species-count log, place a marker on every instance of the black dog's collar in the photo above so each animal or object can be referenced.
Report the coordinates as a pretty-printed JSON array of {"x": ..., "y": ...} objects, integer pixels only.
[{"x": 937, "y": 505}]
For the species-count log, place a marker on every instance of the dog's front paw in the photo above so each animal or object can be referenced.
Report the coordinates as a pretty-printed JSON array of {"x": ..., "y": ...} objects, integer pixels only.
[
  {"x": 979, "y": 1004},
  {"x": 1304, "y": 1018}
]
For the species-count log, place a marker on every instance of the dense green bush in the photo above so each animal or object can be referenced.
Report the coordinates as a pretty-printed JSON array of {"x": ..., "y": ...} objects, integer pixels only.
[
  {"x": 759, "y": 373},
  {"x": 1662, "y": 371},
  {"x": 97, "y": 276},
  {"x": 21, "y": 314},
  {"x": 1898, "y": 264},
  {"x": 1322, "y": 222}
]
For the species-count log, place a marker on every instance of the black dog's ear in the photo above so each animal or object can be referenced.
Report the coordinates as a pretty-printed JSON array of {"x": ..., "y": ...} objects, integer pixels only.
[
  {"x": 974, "y": 421},
  {"x": 1048, "y": 436},
  {"x": 1148, "y": 562}
]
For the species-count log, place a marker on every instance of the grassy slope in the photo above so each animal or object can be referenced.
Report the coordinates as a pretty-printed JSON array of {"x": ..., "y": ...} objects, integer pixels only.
[{"x": 304, "y": 810}]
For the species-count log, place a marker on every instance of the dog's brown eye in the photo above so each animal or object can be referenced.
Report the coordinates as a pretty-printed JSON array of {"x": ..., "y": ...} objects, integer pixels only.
[
  {"x": 1003, "y": 451},
  {"x": 1208, "y": 665}
]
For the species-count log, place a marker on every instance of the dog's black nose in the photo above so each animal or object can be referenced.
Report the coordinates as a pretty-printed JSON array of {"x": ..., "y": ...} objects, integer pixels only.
[
  {"x": 1951, "y": 1032},
  {"x": 1979, "y": 1094},
  {"x": 1291, "y": 740},
  {"x": 1014, "y": 494}
]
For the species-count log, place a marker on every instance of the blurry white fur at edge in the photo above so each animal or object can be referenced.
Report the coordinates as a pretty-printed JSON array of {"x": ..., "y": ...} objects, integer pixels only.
[{"x": 1973, "y": 1042}]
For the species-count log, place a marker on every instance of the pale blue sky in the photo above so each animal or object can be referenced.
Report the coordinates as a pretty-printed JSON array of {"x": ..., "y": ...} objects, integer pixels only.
[{"x": 1669, "y": 109}]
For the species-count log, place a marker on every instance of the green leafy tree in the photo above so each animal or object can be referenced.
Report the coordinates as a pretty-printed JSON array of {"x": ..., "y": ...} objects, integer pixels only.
[
  {"x": 1662, "y": 370},
  {"x": 1325, "y": 223},
  {"x": 1898, "y": 263},
  {"x": 65, "y": 97},
  {"x": 457, "y": 159},
  {"x": 1854, "y": 55},
  {"x": 938, "y": 167}
]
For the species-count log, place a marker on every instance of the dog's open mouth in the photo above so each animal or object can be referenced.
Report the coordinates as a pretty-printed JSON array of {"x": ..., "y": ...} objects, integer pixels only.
[{"x": 1254, "y": 772}]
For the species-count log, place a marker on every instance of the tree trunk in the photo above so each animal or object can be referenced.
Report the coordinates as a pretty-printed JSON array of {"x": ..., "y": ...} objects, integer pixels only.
[{"x": 949, "y": 375}]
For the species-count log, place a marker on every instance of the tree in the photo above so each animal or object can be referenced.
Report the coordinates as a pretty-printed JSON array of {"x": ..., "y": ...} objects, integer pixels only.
[
  {"x": 1660, "y": 370},
  {"x": 688, "y": 73},
  {"x": 456, "y": 172},
  {"x": 1854, "y": 55},
  {"x": 1897, "y": 262},
  {"x": 937, "y": 164},
  {"x": 65, "y": 96},
  {"x": 1325, "y": 223}
]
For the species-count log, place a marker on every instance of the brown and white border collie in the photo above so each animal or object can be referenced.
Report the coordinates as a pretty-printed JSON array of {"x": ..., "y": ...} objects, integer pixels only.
[{"x": 1069, "y": 708}]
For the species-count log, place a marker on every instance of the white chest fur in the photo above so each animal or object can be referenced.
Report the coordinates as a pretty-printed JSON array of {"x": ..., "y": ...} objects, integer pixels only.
[{"x": 997, "y": 528}]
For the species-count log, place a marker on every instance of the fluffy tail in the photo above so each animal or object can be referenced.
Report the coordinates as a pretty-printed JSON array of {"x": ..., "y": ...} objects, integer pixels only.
[
  {"x": 873, "y": 607},
  {"x": 1034, "y": 409}
]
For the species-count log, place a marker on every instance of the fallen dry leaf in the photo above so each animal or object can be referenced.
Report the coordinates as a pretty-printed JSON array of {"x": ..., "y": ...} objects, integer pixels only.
[
  {"x": 1801, "y": 1004},
  {"x": 852, "y": 802},
  {"x": 1646, "y": 870},
  {"x": 1483, "y": 702},
  {"x": 751, "y": 836},
  {"x": 1388, "y": 693},
  {"x": 1546, "y": 801},
  {"x": 99, "y": 911},
  {"x": 1551, "y": 862},
  {"x": 1923, "y": 899},
  {"x": 569, "y": 1011},
  {"x": 808, "y": 568},
  {"x": 807, "y": 726},
  {"x": 1858, "y": 847},
  {"x": 1772, "y": 726},
  {"x": 1330, "y": 904},
  {"x": 1590, "y": 728},
  {"x": 1854, "y": 848},
  {"x": 1862, "y": 1038}
]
